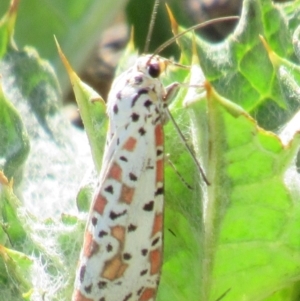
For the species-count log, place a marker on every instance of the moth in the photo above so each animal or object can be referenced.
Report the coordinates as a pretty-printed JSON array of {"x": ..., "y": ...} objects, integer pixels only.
[
  {"x": 122, "y": 252},
  {"x": 121, "y": 257}
]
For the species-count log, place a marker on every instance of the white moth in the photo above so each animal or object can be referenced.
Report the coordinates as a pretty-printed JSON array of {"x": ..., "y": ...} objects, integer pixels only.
[
  {"x": 122, "y": 253},
  {"x": 121, "y": 257}
]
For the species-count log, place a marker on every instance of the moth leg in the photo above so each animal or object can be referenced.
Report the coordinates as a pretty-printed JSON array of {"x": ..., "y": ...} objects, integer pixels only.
[
  {"x": 177, "y": 172},
  {"x": 171, "y": 92},
  {"x": 173, "y": 88}
]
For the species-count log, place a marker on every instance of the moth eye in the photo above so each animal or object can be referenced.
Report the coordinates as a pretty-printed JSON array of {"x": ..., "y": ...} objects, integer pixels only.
[{"x": 154, "y": 70}]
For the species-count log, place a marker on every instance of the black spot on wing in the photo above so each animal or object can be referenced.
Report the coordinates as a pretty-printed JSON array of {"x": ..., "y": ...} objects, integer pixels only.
[
  {"x": 102, "y": 299},
  {"x": 115, "y": 109},
  {"x": 82, "y": 273},
  {"x": 138, "y": 79},
  {"x": 119, "y": 95},
  {"x": 122, "y": 158},
  {"x": 113, "y": 215},
  {"x": 140, "y": 290},
  {"x": 143, "y": 272},
  {"x": 127, "y": 256},
  {"x": 102, "y": 233},
  {"x": 142, "y": 131},
  {"x": 127, "y": 297},
  {"x": 135, "y": 117},
  {"x": 132, "y": 176},
  {"x": 159, "y": 191},
  {"x": 88, "y": 289},
  {"x": 147, "y": 103},
  {"x": 149, "y": 206},
  {"x": 109, "y": 189},
  {"x": 144, "y": 252},
  {"x": 102, "y": 284},
  {"x": 137, "y": 96},
  {"x": 159, "y": 152},
  {"x": 131, "y": 228},
  {"x": 109, "y": 248},
  {"x": 94, "y": 221},
  {"x": 155, "y": 241}
]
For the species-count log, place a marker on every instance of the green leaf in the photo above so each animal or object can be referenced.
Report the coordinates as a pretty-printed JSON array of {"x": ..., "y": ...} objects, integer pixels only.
[
  {"x": 40, "y": 90},
  {"x": 7, "y": 24},
  {"x": 249, "y": 210},
  {"x": 84, "y": 197},
  {"x": 14, "y": 146},
  {"x": 243, "y": 229},
  {"x": 92, "y": 111},
  {"x": 11, "y": 223},
  {"x": 56, "y": 147},
  {"x": 240, "y": 65},
  {"x": 19, "y": 268}
]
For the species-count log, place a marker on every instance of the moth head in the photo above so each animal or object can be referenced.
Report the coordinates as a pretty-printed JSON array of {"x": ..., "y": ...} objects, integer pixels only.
[
  {"x": 154, "y": 69},
  {"x": 156, "y": 65},
  {"x": 153, "y": 66}
]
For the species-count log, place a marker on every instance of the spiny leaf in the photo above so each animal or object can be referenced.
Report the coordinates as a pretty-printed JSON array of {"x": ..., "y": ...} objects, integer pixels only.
[
  {"x": 7, "y": 24},
  {"x": 14, "y": 146},
  {"x": 247, "y": 234},
  {"x": 11, "y": 224},
  {"x": 19, "y": 268},
  {"x": 240, "y": 66},
  {"x": 40, "y": 89},
  {"x": 92, "y": 111}
]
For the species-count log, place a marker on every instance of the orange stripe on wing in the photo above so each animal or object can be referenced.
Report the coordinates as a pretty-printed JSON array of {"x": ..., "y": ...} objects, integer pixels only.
[
  {"x": 100, "y": 204},
  {"x": 114, "y": 268},
  {"x": 119, "y": 233},
  {"x": 115, "y": 172},
  {"x": 127, "y": 194},
  {"x": 158, "y": 224},
  {"x": 159, "y": 135},
  {"x": 160, "y": 170},
  {"x": 155, "y": 261},
  {"x": 130, "y": 144},
  {"x": 147, "y": 294},
  {"x": 90, "y": 247}
]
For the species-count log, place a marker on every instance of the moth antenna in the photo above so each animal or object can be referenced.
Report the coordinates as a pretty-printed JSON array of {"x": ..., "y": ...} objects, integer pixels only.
[
  {"x": 197, "y": 26},
  {"x": 151, "y": 26},
  {"x": 188, "y": 148}
]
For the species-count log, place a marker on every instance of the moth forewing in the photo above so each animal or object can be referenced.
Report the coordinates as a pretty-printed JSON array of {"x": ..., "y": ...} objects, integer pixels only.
[{"x": 122, "y": 252}]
